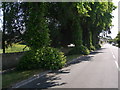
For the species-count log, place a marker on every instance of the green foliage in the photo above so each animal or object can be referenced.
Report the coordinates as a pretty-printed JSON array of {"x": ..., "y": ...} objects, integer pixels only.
[
  {"x": 67, "y": 23},
  {"x": 112, "y": 40},
  {"x": 97, "y": 46},
  {"x": 15, "y": 76},
  {"x": 37, "y": 38},
  {"x": 28, "y": 61},
  {"x": 83, "y": 8},
  {"x": 51, "y": 58},
  {"x": 118, "y": 39},
  {"x": 100, "y": 19},
  {"x": 71, "y": 57},
  {"x": 37, "y": 33},
  {"x": 79, "y": 50},
  {"x": 15, "y": 48},
  {"x": 92, "y": 47},
  {"x": 55, "y": 34},
  {"x": 77, "y": 33},
  {"x": 46, "y": 58}
]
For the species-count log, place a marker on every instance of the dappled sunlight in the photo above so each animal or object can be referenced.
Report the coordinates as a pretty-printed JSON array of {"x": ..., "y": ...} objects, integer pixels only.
[
  {"x": 47, "y": 81},
  {"x": 64, "y": 38},
  {"x": 16, "y": 76}
]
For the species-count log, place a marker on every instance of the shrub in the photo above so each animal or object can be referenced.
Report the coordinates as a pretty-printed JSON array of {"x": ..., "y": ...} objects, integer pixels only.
[
  {"x": 51, "y": 58},
  {"x": 92, "y": 47},
  {"x": 98, "y": 46},
  {"x": 79, "y": 50},
  {"x": 28, "y": 61},
  {"x": 118, "y": 44},
  {"x": 46, "y": 58}
]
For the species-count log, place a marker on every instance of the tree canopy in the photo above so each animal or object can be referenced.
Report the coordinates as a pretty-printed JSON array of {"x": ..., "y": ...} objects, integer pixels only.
[
  {"x": 56, "y": 24},
  {"x": 44, "y": 25}
]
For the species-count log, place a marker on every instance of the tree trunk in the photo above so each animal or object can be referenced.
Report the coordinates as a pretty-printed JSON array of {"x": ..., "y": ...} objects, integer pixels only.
[{"x": 87, "y": 41}]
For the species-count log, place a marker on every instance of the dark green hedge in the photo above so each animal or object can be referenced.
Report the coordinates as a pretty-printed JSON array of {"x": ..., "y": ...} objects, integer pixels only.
[{"x": 46, "y": 58}]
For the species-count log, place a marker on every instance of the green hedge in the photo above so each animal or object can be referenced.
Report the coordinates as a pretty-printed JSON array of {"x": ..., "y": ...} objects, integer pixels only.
[
  {"x": 92, "y": 47},
  {"x": 79, "y": 50},
  {"x": 98, "y": 46},
  {"x": 46, "y": 58}
]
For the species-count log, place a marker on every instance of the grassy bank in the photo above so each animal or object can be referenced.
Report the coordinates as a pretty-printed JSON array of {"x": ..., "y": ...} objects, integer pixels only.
[
  {"x": 15, "y": 48},
  {"x": 71, "y": 57},
  {"x": 13, "y": 77}
]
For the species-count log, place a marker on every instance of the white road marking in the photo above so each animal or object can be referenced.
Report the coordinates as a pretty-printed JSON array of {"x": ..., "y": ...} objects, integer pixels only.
[
  {"x": 114, "y": 56},
  {"x": 112, "y": 53},
  {"x": 116, "y": 62},
  {"x": 117, "y": 65}
]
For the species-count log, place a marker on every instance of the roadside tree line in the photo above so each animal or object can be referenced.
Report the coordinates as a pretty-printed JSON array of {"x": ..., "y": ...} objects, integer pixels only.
[
  {"x": 116, "y": 40},
  {"x": 45, "y": 26}
]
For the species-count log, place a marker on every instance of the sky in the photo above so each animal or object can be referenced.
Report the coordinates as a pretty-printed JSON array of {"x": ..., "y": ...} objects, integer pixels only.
[
  {"x": 114, "y": 30},
  {"x": 1, "y": 18}
]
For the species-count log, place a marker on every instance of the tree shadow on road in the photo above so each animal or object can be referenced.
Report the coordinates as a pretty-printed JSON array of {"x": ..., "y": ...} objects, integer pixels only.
[
  {"x": 102, "y": 48},
  {"x": 86, "y": 58},
  {"x": 61, "y": 71},
  {"x": 98, "y": 51},
  {"x": 79, "y": 59},
  {"x": 95, "y": 52},
  {"x": 48, "y": 80},
  {"x": 53, "y": 78}
]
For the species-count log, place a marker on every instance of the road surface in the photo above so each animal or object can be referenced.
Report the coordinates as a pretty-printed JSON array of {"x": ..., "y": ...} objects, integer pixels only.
[{"x": 98, "y": 70}]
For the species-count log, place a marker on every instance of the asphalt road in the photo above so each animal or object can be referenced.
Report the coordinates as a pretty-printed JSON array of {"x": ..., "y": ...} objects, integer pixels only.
[{"x": 98, "y": 70}]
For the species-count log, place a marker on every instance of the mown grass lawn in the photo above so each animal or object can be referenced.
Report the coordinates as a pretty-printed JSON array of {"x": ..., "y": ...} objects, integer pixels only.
[{"x": 15, "y": 48}]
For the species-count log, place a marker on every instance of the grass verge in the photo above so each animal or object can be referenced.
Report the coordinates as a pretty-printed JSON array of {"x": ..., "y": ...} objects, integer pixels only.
[
  {"x": 71, "y": 57},
  {"x": 13, "y": 77},
  {"x": 15, "y": 48}
]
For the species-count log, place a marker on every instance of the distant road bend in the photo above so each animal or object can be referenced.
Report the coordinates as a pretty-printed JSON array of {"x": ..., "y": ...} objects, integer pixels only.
[{"x": 100, "y": 70}]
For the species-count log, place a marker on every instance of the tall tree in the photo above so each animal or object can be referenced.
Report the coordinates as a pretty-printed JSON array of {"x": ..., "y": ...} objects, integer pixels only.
[{"x": 37, "y": 33}]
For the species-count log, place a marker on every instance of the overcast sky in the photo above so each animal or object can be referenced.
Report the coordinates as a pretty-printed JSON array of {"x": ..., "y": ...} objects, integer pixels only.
[{"x": 114, "y": 30}]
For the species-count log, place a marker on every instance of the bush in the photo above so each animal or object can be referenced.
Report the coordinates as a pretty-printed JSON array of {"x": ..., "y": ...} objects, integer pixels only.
[
  {"x": 118, "y": 43},
  {"x": 46, "y": 58},
  {"x": 79, "y": 50},
  {"x": 28, "y": 61},
  {"x": 92, "y": 47},
  {"x": 51, "y": 58},
  {"x": 98, "y": 46}
]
